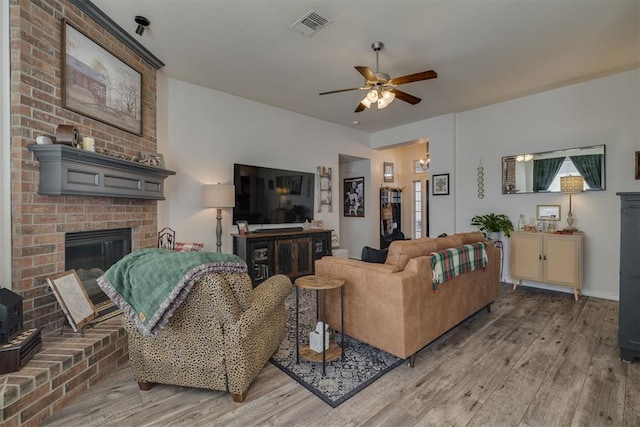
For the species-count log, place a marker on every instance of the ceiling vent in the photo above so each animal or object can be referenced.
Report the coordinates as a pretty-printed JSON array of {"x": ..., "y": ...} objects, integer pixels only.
[{"x": 310, "y": 23}]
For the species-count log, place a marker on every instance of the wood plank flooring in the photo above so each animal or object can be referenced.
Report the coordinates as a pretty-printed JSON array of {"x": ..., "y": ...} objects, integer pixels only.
[{"x": 538, "y": 359}]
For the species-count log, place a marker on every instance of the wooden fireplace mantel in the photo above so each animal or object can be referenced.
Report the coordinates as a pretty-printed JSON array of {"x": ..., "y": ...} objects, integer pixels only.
[{"x": 69, "y": 170}]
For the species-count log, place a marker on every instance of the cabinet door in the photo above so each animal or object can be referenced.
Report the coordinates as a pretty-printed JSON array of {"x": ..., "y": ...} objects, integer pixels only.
[
  {"x": 563, "y": 261},
  {"x": 302, "y": 257},
  {"x": 284, "y": 256},
  {"x": 526, "y": 254}
]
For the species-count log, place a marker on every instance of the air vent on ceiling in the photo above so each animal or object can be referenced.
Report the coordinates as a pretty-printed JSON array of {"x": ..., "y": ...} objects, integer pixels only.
[{"x": 310, "y": 23}]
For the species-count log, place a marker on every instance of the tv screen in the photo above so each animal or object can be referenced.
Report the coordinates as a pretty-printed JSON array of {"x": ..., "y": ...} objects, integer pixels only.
[{"x": 272, "y": 196}]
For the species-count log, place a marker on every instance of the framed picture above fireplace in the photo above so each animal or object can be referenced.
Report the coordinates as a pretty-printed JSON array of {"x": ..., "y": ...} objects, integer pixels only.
[
  {"x": 73, "y": 299},
  {"x": 97, "y": 84}
]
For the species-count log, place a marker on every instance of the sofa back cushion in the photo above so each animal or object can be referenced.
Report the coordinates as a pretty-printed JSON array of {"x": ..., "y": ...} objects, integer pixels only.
[
  {"x": 401, "y": 251},
  {"x": 471, "y": 237}
]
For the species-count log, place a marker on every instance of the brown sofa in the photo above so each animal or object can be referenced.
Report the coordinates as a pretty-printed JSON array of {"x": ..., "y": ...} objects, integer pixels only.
[{"x": 393, "y": 306}]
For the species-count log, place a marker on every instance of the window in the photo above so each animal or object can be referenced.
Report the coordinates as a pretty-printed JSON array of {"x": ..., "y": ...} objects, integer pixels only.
[{"x": 417, "y": 209}]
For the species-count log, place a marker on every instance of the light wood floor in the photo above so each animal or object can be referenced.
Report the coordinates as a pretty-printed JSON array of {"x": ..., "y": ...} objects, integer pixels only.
[{"x": 539, "y": 359}]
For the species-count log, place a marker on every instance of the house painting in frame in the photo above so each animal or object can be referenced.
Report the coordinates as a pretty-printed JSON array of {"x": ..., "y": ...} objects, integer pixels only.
[{"x": 99, "y": 85}]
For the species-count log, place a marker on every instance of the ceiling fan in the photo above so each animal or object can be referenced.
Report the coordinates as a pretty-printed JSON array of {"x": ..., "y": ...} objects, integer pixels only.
[{"x": 382, "y": 88}]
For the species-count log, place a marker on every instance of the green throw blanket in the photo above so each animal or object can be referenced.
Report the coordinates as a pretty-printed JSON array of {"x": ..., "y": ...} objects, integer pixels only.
[{"x": 150, "y": 284}]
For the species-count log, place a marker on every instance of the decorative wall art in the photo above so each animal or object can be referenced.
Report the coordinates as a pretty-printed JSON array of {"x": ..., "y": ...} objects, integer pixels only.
[
  {"x": 97, "y": 84},
  {"x": 480, "y": 180},
  {"x": 388, "y": 172},
  {"x": 354, "y": 197},
  {"x": 324, "y": 185},
  {"x": 441, "y": 184},
  {"x": 548, "y": 212}
]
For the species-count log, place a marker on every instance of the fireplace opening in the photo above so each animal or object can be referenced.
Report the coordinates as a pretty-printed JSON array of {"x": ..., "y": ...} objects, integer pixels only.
[{"x": 91, "y": 253}]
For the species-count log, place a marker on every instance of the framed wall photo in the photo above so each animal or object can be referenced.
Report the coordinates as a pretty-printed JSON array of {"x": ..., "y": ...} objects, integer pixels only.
[
  {"x": 73, "y": 298},
  {"x": 97, "y": 84},
  {"x": 243, "y": 227},
  {"x": 440, "y": 184},
  {"x": 388, "y": 172},
  {"x": 548, "y": 212},
  {"x": 354, "y": 197}
]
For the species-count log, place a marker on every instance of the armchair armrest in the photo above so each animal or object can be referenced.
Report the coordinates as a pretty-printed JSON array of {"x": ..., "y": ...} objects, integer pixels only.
[{"x": 266, "y": 298}]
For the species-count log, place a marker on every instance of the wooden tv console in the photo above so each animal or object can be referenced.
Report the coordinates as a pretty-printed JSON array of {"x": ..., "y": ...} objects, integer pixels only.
[{"x": 291, "y": 252}]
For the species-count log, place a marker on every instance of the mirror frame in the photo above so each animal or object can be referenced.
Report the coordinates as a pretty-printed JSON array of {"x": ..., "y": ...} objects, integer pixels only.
[{"x": 559, "y": 153}]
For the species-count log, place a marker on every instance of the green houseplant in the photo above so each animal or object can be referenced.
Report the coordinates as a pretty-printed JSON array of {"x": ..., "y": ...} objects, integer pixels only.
[{"x": 493, "y": 223}]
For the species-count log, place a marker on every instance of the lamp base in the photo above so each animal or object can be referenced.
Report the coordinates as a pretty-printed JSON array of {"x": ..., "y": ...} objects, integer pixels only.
[{"x": 570, "y": 221}]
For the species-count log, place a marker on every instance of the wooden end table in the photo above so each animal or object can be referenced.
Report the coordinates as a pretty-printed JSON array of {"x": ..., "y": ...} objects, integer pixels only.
[{"x": 319, "y": 283}]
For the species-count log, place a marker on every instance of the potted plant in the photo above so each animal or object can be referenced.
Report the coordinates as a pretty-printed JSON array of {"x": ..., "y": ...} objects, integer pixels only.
[{"x": 493, "y": 223}]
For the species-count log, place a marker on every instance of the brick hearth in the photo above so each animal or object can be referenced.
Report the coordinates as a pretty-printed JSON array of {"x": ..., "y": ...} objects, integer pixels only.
[{"x": 65, "y": 368}]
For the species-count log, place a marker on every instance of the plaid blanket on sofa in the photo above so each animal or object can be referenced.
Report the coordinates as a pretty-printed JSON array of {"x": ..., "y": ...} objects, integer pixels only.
[{"x": 449, "y": 263}]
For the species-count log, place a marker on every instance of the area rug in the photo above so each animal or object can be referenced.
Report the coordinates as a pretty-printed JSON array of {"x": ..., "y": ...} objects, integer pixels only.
[{"x": 362, "y": 364}]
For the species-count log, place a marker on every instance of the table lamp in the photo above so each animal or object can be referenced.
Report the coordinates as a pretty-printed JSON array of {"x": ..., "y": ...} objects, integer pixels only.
[
  {"x": 571, "y": 185},
  {"x": 219, "y": 196}
]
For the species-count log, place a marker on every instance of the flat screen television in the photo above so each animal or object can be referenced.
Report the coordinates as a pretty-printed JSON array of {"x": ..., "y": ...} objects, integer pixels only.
[{"x": 272, "y": 196}]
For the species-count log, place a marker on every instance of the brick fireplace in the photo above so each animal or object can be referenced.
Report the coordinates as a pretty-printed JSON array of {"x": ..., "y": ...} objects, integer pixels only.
[
  {"x": 68, "y": 363},
  {"x": 39, "y": 223}
]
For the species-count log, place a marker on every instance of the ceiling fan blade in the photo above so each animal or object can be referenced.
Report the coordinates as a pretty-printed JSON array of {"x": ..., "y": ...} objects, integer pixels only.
[
  {"x": 340, "y": 90},
  {"x": 413, "y": 100},
  {"x": 366, "y": 73},
  {"x": 425, "y": 75},
  {"x": 360, "y": 107}
]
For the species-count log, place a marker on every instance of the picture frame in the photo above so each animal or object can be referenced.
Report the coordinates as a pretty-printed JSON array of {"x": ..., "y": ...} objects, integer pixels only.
[
  {"x": 152, "y": 159},
  {"x": 354, "y": 197},
  {"x": 243, "y": 227},
  {"x": 440, "y": 184},
  {"x": 98, "y": 84},
  {"x": 73, "y": 299},
  {"x": 637, "y": 165},
  {"x": 387, "y": 172},
  {"x": 548, "y": 212}
]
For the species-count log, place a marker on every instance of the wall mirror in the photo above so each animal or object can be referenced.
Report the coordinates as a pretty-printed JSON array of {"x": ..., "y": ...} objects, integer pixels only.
[{"x": 541, "y": 172}]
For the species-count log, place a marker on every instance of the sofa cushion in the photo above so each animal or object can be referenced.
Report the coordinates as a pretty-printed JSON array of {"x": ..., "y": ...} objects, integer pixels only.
[
  {"x": 471, "y": 237},
  {"x": 378, "y": 256},
  {"x": 401, "y": 251},
  {"x": 448, "y": 242}
]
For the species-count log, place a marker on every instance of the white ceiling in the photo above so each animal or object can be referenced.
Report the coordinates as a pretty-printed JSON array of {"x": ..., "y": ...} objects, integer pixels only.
[{"x": 484, "y": 51}]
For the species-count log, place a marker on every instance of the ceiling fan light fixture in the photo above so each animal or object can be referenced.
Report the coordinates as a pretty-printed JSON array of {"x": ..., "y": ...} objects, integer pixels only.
[
  {"x": 388, "y": 96},
  {"x": 372, "y": 96},
  {"x": 382, "y": 103},
  {"x": 366, "y": 102}
]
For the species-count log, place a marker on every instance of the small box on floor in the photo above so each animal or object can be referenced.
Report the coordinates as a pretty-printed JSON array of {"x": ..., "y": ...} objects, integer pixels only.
[{"x": 315, "y": 338}]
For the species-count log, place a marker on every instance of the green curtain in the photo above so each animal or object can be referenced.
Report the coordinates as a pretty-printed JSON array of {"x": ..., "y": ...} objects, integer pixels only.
[
  {"x": 544, "y": 170},
  {"x": 590, "y": 167}
]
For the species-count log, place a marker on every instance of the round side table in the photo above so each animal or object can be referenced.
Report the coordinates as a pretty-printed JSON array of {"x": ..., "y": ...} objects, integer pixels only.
[{"x": 319, "y": 283}]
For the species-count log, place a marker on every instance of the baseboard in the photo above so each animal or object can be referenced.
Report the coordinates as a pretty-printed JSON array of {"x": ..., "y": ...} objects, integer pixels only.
[{"x": 585, "y": 292}]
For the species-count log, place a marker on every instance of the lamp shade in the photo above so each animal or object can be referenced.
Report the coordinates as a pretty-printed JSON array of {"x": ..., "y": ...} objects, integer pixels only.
[
  {"x": 218, "y": 196},
  {"x": 571, "y": 184}
]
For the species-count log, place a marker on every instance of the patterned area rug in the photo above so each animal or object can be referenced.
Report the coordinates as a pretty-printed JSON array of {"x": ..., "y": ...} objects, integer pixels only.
[{"x": 362, "y": 364}]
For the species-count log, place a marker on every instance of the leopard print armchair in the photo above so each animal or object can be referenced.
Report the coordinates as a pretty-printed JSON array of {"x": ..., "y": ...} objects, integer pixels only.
[{"x": 219, "y": 338}]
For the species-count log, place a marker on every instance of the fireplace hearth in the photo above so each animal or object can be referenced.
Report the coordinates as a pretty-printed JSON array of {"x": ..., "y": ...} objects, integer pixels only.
[{"x": 91, "y": 253}]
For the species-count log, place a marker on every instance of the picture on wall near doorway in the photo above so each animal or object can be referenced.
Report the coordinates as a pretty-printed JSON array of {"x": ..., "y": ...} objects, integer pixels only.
[
  {"x": 388, "y": 172},
  {"x": 354, "y": 197},
  {"x": 440, "y": 184}
]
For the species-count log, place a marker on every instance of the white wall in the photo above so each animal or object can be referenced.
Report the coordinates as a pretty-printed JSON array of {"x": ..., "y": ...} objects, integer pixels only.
[
  {"x": 601, "y": 111},
  {"x": 208, "y": 131},
  {"x": 5, "y": 151}
]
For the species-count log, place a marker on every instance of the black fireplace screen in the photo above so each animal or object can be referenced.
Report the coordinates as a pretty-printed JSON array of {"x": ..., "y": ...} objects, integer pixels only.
[{"x": 91, "y": 253}]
